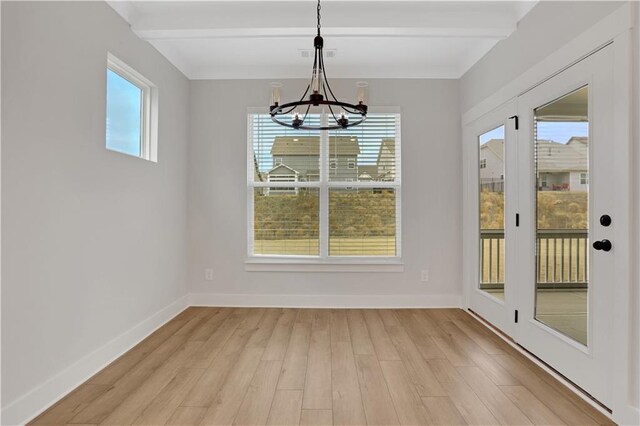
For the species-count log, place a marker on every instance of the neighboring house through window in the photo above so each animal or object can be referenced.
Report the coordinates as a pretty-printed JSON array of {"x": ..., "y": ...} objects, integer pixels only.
[{"x": 560, "y": 166}]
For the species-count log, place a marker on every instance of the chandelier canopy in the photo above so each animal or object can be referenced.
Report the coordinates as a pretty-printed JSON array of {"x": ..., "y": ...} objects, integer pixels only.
[{"x": 320, "y": 93}]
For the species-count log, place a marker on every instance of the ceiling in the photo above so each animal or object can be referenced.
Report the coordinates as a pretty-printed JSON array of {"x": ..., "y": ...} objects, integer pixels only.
[{"x": 372, "y": 39}]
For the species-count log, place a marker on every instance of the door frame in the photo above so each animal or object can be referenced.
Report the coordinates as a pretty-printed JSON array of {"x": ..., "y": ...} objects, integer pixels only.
[{"x": 619, "y": 28}]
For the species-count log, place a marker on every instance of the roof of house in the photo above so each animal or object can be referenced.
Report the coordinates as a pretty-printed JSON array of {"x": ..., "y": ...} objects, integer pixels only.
[
  {"x": 557, "y": 157},
  {"x": 281, "y": 169},
  {"x": 494, "y": 146},
  {"x": 370, "y": 169},
  {"x": 578, "y": 139},
  {"x": 390, "y": 144},
  {"x": 310, "y": 145}
]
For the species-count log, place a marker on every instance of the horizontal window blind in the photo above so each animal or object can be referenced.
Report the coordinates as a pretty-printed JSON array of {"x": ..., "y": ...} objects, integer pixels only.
[
  {"x": 362, "y": 222},
  {"x": 286, "y": 222},
  {"x": 324, "y": 193},
  {"x": 366, "y": 152},
  {"x": 278, "y": 150}
]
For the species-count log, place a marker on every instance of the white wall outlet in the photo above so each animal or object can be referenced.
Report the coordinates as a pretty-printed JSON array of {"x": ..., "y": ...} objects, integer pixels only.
[
  {"x": 208, "y": 274},
  {"x": 424, "y": 275}
]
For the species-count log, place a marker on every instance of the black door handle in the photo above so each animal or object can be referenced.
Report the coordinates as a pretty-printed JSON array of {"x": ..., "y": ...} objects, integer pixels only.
[{"x": 604, "y": 245}]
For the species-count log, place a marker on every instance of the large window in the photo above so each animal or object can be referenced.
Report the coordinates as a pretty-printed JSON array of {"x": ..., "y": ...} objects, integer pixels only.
[
  {"x": 131, "y": 111},
  {"x": 321, "y": 195}
]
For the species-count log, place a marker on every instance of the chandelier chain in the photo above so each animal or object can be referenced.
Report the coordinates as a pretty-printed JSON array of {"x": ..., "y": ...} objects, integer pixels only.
[{"x": 319, "y": 17}]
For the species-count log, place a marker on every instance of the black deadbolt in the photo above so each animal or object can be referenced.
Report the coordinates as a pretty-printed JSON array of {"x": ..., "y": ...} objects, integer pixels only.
[
  {"x": 604, "y": 245},
  {"x": 605, "y": 220}
]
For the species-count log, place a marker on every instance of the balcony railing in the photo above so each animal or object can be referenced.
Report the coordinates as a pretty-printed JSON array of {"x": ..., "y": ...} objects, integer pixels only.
[
  {"x": 492, "y": 184},
  {"x": 561, "y": 258}
]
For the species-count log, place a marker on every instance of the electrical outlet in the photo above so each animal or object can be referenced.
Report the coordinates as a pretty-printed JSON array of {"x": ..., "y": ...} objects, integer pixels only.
[
  {"x": 208, "y": 274},
  {"x": 424, "y": 275}
]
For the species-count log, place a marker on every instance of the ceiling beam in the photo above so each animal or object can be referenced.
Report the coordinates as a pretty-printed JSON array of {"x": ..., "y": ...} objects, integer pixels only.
[{"x": 221, "y": 33}]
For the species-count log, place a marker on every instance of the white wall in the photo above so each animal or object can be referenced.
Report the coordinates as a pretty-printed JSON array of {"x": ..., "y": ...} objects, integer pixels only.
[
  {"x": 431, "y": 202},
  {"x": 93, "y": 242},
  {"x": 634, "y": 299},
  {"x": 549, "y": 25},
  {"x": 0, "y": 210}
]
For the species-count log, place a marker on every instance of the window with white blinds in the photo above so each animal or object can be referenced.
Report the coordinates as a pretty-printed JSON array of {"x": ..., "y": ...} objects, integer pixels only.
[{"x": 324, "y": 194}]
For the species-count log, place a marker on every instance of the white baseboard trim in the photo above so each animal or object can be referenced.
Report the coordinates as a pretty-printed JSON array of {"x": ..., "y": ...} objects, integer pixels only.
[
  {"x": 326, "y": 301},
  {"x": 34, "y": 402}
]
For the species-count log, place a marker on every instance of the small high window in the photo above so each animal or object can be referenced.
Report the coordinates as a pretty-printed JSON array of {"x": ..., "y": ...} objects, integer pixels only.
[{"x": 131, "y": 111}]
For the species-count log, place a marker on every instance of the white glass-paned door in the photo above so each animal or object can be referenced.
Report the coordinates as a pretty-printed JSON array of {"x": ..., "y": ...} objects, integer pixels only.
[{"x": 566, "y": 259}]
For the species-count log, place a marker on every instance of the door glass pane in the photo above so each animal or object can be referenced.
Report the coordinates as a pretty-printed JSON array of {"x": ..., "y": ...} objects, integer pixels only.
[
  {"x": 561, "y": 133},
  {"x": 491, "y": 170}
]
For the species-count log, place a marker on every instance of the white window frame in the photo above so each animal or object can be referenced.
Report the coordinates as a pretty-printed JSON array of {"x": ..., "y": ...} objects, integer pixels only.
[
  {"x": 483, "y": 163},
  {"x": 351, "y": 163},
  {"x": 349, "y": 188},
  {"x": 149, "y": 115},
  {"x": 323, "y": 262}
]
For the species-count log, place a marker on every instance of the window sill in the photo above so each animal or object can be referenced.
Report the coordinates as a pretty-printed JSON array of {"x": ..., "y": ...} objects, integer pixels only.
[{"x": 278, "y": 264}]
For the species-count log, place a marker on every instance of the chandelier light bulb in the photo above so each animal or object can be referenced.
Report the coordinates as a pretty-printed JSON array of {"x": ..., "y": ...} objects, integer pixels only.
[
  {"x": 362, "y": 91},
  {"x": 343, "y": 121},
  {"x": 275, "y": 93},
  {"x": 297, "y": 120},
  {"x": 315, "y": 82}
]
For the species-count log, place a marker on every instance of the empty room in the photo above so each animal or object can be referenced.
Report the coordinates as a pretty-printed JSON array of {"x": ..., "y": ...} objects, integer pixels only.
[{"x": 319, "y": 212}]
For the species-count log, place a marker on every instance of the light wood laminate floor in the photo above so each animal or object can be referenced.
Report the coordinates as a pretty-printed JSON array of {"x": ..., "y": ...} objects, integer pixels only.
[{"x": 319, "y": 367}]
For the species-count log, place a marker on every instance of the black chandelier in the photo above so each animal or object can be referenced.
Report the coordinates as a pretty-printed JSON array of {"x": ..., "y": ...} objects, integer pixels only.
[{"x": 320, "y": 93}]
